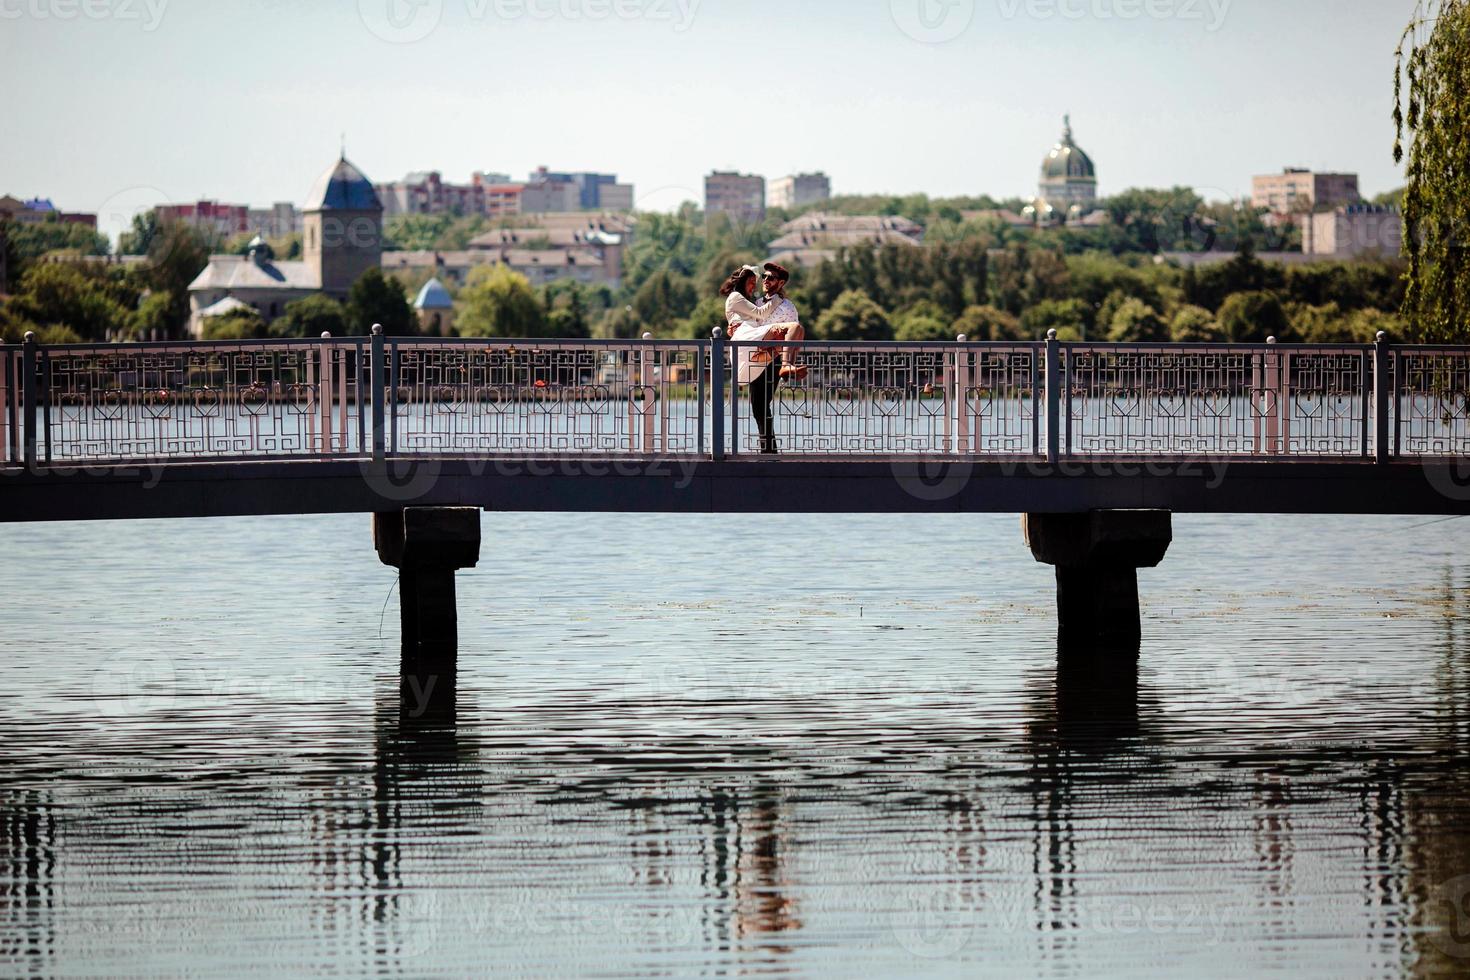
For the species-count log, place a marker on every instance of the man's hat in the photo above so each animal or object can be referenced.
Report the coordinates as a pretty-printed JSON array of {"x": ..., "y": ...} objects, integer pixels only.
[{"x": 779, "y": 271}]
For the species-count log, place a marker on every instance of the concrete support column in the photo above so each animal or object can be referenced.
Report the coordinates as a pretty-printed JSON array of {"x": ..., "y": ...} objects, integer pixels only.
[
  {"x": 1097, "y": 557},
  {"x": 428, "y": 545}
]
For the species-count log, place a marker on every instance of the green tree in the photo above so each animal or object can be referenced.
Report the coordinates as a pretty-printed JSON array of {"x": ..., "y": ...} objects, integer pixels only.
[
  {"x": 566, "y": 308},
  {"x": 234, "y": 325},
  {"x": 177, "y": 254},
  {"x": 32, "y": 240},
  {"x": 1210, "y": 285},
  {"x": 620, "y": 323},
  {"x": 987, "y": 323},
  {"x": 1252, "y": 317},
  {"x": 376, "y": 298},
  {"x": 710, "y": 313},
  {"x": 154, "y": 318},
  {"x": 497, "y": 301},
  {"x": 432, "y": 232},
  {"x": 1055, "y": 314},
  {"x": 1136, "y": 322},
  {"x": 1194, "y": 325},
  {"x": 1434, "y": 115},
  {"x": 1324, "y": 324},
  {"x": 1363, "y": 326},
  {"x": 854, "y": 317},
  {"x": 921, "y": 327},
  {"x": 139, "y": 240},
  {"x": 664, "y": 299},
  {"x": 95, "y": 302},
  {"x": 311, "y": 316}
]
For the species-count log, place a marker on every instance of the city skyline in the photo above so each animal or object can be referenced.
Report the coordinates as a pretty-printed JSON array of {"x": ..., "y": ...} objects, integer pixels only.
[{"x": 1199, "y": 93}]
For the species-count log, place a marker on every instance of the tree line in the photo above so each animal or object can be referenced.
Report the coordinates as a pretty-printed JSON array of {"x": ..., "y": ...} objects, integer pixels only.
[{"x": 974, "y": 276}]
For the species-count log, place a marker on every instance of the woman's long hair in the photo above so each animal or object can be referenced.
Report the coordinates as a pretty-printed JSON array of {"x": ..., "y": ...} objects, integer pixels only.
[{"x": 736, "y": 282}]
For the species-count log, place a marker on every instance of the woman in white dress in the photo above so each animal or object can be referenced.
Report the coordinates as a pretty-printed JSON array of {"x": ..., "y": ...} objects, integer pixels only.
[{"x": 758, "y": 367}]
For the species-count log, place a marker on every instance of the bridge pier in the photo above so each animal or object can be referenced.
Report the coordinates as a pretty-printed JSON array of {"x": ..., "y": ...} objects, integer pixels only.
[
  {"x": 428, "y": 545},
  {"x": 1097, "y": 557}
]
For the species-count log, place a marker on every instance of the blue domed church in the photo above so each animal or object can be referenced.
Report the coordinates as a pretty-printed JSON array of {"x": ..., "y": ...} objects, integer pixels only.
[{"x": 341, "y": 238}]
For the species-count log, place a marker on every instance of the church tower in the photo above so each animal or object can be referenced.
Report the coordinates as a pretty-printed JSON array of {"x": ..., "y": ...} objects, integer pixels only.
[{"x": 342, "y": 229}]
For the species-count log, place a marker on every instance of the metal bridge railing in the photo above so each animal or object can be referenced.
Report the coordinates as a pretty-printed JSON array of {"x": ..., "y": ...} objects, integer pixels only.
[{"x": 387, "y": 396}]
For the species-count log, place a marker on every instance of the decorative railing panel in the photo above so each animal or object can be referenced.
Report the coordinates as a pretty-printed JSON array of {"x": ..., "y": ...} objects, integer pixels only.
[
  {"x": 901, "y": 399},
  {"x": 12, "y": 429},
  {"x": 378, "y": 397},
  {"x": 200, "y": 401},
  {"x": 539, "y": 397},
  {"x": 1432, "y": 395},
  {"x": 1226, "y": 400}
]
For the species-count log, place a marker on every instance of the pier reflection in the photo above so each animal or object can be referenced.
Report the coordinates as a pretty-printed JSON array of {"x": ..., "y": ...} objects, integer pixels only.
[{"x": 28, "y": 823}]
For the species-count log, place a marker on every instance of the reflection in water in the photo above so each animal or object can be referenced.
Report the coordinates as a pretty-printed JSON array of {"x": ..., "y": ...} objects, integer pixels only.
[
  {"x": 28, "y": 890},
  {"x": 1435, "y": 838},
  {"x": 1084, "y": 737},
  {"x": 928, "y": 790}
]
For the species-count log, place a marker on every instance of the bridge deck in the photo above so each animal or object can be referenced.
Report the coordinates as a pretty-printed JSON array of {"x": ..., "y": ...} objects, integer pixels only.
[{"x": 697, "y": 485}]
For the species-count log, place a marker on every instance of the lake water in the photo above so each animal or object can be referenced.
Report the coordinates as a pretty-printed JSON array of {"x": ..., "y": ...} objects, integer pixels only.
[{"x": 847, "y": 752}]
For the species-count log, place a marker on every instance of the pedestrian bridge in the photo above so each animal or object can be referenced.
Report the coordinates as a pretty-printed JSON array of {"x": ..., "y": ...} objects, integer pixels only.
[
  {"x": 1097, "y": 444},
  {"x": 372, "y": 424}
]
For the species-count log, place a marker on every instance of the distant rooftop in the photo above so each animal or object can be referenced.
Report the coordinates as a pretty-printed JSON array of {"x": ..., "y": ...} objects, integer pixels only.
[
  {"x": 343, "y": 188},
  {"x": 433, "y": 297}
]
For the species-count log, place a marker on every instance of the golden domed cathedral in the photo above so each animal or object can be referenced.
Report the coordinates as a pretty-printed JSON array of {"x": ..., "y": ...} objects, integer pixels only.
[{"x": 1068, "y": 190}]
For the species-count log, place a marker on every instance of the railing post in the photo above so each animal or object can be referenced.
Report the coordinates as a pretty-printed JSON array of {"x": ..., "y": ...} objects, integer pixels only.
[
  {"x": 717, "y": 394},
  {"x": 375, "y": 379},
  {"x": 1053, "y": 398},
  {"x": 30, "y": 392},
  {"x": 645, "y": 406},
  {"x": 961, "y": 445},
  {"x": 324, "y": 392},
  {"x": 1275, "y": 386},
  {"x": 10, "y": 414},
  {"x": 1382, "y": 386}
]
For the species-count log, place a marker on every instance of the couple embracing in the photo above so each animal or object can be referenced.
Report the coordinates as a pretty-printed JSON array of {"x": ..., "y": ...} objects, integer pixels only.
[{"x": 769, "y": 316}]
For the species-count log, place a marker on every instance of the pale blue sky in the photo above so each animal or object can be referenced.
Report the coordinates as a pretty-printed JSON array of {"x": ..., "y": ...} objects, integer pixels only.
[{"x": 115, "y": 104}]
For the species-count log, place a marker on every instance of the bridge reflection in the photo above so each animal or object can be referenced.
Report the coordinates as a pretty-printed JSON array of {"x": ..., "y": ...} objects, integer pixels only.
[{"x": 470, "y": 825}]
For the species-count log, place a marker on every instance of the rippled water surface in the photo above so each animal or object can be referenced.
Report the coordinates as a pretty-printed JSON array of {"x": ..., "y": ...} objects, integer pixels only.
[{"x": 847, "y": 749}]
